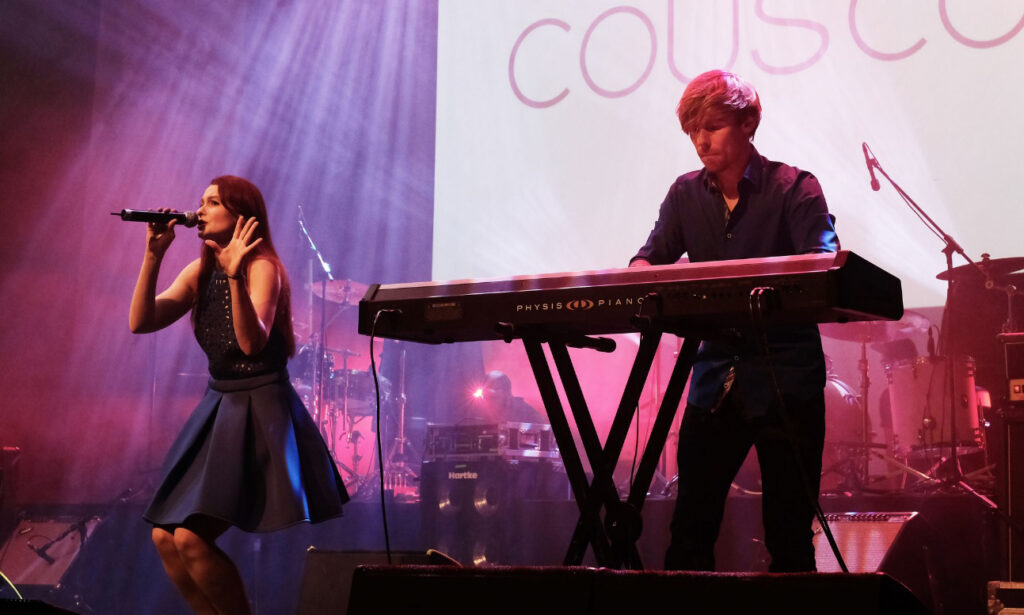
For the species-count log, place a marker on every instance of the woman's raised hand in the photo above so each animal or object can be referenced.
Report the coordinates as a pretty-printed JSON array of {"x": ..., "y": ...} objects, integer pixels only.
[{"x": 232, "y": 256}]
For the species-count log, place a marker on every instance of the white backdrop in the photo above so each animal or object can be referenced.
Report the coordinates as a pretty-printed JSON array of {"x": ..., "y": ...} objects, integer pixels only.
[{"x": 557, "y": 140}]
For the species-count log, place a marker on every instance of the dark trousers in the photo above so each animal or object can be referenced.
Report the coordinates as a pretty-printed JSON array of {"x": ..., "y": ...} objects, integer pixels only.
[{"x": 712, "y": 447}]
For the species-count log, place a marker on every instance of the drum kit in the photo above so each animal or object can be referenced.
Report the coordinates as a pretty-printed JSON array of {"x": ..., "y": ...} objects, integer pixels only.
[
  {"x": 331, "y": 372},
  {"x": 933, "y": 417}
]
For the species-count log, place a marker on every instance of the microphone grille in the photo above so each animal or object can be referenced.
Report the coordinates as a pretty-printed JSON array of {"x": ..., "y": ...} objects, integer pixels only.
[{"x": 191, "y": 219}]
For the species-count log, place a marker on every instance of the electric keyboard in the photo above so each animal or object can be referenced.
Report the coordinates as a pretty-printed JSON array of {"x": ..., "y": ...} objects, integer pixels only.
[{"x": 684, "y": 297}]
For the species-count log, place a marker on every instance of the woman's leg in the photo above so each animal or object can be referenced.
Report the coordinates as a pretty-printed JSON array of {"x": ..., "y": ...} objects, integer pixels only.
[
  {"x": 210, "y": 569},
  {"x": 163, "y": 539}
]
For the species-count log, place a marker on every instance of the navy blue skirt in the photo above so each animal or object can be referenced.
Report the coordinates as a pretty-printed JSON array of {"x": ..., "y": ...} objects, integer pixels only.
[{"x": 251, "y": 455}]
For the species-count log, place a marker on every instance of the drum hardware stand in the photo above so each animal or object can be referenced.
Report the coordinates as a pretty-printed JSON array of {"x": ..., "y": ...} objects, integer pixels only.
[
  {"x": 350, "y": 434},
  {"x": 889, "y": 459},
  {"x": 851, "y": 468},
  {"x": 861, "y": 471},
  {"x": 1010, "y": 324},
  {"x": 398, "y": 474},
  {"x": 855, "y": 468}
]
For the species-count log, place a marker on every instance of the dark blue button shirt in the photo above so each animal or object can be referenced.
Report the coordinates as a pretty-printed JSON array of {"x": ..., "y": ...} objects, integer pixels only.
[{"x": 781, "y": 211}]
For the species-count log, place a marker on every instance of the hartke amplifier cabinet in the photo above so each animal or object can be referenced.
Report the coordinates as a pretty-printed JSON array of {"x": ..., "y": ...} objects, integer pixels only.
[{"x": 471, "y": 509}]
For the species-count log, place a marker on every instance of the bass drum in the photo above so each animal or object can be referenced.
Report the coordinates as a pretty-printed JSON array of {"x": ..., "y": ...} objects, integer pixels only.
[
  {"x": 843, "y": 429},
  {"x": 923, "y": 414}
]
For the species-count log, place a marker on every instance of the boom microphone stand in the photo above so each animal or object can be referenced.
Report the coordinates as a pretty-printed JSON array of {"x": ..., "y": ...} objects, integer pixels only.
[
  {"x": 950, "y": 245},
  {"x": 321, "y": 415},
  {"x": 319, "y": 345}
]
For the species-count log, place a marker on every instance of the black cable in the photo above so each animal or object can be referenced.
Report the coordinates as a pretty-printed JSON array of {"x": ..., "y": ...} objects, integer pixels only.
[
  {"x": 789, "y": 429},
  {"x": 380, "y": 428},
  {"x": 636, "y": 446}
]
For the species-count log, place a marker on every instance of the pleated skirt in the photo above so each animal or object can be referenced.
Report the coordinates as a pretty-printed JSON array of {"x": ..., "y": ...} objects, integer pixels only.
[{"x": 251, "y": 455}]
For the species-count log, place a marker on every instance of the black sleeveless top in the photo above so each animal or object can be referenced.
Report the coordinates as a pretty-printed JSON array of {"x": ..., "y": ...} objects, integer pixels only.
[{"x": 215, "y": 332}]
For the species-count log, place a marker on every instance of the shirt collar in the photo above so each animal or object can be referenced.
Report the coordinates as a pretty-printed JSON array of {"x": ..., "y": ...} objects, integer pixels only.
[{"x": 753, "y": 174}]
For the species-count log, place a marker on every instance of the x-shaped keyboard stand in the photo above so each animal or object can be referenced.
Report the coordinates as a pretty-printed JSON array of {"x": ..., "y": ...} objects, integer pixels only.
[{"x": 614, "y": 539}]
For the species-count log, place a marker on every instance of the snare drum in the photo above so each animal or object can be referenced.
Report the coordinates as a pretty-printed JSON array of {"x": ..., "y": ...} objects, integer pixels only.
[{"x": 923, "y": 411}]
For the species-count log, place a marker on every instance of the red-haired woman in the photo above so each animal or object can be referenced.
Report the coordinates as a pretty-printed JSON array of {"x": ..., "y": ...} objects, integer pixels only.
[{"x": 249, "y": 456}]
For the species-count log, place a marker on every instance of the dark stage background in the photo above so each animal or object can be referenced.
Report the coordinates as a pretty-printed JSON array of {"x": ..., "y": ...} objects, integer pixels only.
[
  {"x": 328, "y": 106},
  {"x": 122, "y": 104}
]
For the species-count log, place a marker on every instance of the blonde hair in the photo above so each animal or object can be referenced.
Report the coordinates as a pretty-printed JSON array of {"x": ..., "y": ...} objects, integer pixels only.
[{"x": 718, "y": 90}]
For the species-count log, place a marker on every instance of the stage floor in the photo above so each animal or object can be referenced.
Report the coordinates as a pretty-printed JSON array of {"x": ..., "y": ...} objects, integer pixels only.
[{"x": 946, "y": 555}]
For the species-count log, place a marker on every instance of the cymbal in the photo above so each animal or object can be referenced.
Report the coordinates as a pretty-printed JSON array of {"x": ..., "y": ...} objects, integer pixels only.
[
  {"x": 346, "y": 292},
  {"x": 877, "y": 330},
  {"x": 995, "y": 267},
  {"x": 340, "y": 332}
]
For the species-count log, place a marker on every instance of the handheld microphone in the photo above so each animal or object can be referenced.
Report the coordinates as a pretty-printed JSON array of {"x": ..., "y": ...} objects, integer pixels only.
[
  {"x": 187, "y": 218},
  {"x": 871, "y": 162}
]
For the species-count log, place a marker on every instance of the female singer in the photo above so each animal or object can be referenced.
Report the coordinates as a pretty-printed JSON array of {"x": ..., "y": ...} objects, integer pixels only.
[{"x": 249, "y": 456}]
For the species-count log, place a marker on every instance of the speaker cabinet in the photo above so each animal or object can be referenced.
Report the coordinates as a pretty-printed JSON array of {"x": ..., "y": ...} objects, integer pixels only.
[
  {"x": 327, "y": 578},
  {"x": 471, "y": 509},
  {"x": 865, "y": 540},
  {"x": 31, "y": 607},
  {"x": 893, "y": 543},
  {"x": 596, "y": 591},
  {"x": 1011, "y": 469}
]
